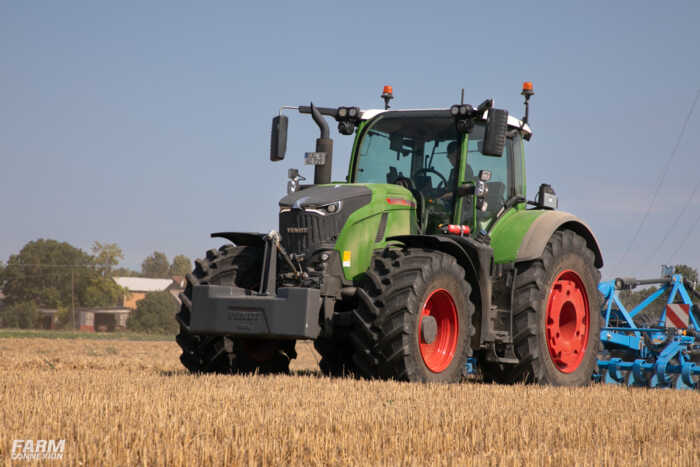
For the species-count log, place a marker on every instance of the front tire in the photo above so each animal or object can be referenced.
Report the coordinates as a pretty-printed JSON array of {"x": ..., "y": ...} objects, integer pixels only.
[
  {"x": 238, "y": 267},
  {"x": 415, "y": 320},
  {"x": 336, "y": 356}
]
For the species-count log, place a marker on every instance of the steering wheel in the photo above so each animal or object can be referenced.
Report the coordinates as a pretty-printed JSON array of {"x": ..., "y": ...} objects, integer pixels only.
[{"x": 443, "y": 180}]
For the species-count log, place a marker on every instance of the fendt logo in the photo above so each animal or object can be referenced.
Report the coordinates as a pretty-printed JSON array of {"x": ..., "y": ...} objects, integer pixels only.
[{"x": 40, "y": 449}]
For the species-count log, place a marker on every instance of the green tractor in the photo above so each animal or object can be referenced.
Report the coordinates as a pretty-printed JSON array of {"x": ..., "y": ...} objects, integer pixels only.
[{"x": 427, "y": 262}]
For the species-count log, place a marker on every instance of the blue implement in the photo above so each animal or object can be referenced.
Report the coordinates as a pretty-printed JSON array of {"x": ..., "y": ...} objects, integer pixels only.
[{"x": 665, "y": 355}]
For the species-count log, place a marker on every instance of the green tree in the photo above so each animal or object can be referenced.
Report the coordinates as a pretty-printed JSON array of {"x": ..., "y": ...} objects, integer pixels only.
[
  {"x": 155, "y": 265},
  {"x": 100, "y": 291},
  {"x": 21, "y": 315},
  {"x": 46, "y": 272},
  {"x": 181, "y": 266},
  {"x": 107, "y": 256},
  {"x": 155, "y": 314},
  {"x": 64, "y": 317},
  {"x": 688, "y": 272},
  {"x": 125, "y": 272},
  {"x": 53, "y": 274}
]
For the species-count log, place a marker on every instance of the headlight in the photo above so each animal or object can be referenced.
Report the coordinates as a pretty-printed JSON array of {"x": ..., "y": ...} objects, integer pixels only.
[
  {"x": 331, "y": 208},
  {"x": 284, "y": 210}
]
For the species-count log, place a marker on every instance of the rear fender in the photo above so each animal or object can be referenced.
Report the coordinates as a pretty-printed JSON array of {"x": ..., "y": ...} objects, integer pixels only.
[{"x": 544, "y": 226}]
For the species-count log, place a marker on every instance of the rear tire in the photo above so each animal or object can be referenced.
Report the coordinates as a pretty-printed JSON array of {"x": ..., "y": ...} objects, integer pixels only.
[
  {"x": 557, "y": 317},
  {"x": 239, "y": 267},
  {"x": 414, "y": 322}
]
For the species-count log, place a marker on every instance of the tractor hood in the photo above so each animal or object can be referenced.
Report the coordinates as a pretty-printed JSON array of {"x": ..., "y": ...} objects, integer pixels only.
[
  {"x": 320, "y": 198},
  {"x": 313, "y": 218}
]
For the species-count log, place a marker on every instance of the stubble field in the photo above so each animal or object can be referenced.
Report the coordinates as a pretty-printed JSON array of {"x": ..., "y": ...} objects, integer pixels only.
[{"x": 127, "y": 402}]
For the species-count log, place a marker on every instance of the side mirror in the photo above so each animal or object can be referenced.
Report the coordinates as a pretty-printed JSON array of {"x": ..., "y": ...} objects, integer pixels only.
[
  {"x": 495, "y": 138},
  {"x": 278, "y": 138}
]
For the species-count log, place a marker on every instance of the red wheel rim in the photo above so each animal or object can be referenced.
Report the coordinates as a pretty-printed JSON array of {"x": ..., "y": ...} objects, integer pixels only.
[
  {"x": 567, "y": 321},
  {"x": 439, "y": 353}
]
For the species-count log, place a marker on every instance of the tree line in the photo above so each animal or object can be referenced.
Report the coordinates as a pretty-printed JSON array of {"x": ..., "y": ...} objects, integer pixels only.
[{"x": 51, "y": 274}]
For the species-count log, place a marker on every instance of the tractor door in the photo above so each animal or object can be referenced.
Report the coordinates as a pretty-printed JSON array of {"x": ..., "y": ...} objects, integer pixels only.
[
  {"x": 411, "y": 148},
  {"x": 507, "y": 178}
]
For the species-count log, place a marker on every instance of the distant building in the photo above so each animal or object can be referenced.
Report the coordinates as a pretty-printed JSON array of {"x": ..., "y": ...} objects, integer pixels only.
[
  {"x": 48, "y": 318},
  {"x": 106, "y": 319},
  {"x": 102, "y": 319},
  {"x": 138, "y": 287}
]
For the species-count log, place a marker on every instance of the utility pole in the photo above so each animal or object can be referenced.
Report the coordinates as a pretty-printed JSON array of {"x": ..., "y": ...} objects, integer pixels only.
[{"x": 72, "y": 293}]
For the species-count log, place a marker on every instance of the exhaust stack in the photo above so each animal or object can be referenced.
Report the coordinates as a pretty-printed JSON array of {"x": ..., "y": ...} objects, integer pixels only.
[{"x": 324, "y": 144}]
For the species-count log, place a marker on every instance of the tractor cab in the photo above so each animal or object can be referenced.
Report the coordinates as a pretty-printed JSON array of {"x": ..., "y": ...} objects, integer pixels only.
[{"x": 423, "y": 151}]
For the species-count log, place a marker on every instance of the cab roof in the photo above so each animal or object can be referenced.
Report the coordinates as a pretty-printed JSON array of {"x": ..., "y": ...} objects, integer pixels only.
[{"x": 513, "y": 122}]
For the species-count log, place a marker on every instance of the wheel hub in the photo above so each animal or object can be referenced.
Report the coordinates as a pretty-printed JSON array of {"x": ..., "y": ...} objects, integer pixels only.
[
  {"x": 428, "y": 329},
  {"x": 567, "y": 321}
]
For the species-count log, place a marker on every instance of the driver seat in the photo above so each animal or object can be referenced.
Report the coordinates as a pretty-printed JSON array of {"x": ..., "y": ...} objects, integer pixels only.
[{"x": 422, "y": 182}]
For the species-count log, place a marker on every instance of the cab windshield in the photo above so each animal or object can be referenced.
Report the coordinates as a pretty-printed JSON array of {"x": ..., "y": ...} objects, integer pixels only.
[
  {"x": 419, "y": 152},
  {"x": 401, "y": 147}
]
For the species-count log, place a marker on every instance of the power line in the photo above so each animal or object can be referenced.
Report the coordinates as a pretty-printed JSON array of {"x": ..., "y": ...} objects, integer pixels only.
[
  {"x": 674, "y": 224},
  {"x": 685, "y": 207},
  {"x": 53, "y": 265},
  {"x": 685, "y": 239},
  {"x": 31, "y": 276},
  {"x": 660, "y": 180}
]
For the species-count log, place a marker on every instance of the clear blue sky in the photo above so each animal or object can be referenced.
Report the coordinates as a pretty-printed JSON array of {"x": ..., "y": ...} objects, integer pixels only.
[{"x": 147, "y": 123}]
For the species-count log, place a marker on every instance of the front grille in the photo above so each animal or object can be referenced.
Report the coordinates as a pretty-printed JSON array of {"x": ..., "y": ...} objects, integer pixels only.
[{"x": 303, "y": 232}]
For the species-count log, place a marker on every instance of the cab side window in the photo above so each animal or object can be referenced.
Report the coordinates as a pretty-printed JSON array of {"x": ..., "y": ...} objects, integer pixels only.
[{"x": 500, "y": 185}]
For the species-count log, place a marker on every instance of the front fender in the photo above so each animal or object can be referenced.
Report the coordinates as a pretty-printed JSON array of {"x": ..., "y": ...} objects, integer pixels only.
[
  {"x": 477, "y": 261},
  {"x": 464, "y": 255},
  {"x": 242, "y": 238}
]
